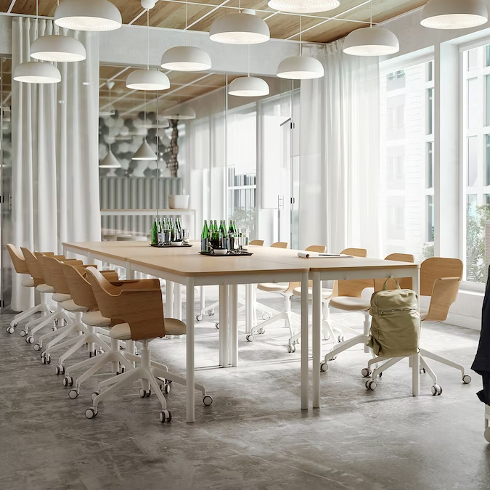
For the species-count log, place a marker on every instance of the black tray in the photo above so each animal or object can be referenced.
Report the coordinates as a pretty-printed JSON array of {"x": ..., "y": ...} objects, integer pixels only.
[
  {"x": 229, "y": 254},
  {"x": 171, "y": 246}
]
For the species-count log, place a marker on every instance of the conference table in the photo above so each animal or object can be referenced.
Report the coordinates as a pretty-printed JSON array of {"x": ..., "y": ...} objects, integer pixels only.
[{"x": 185, "y": 266}]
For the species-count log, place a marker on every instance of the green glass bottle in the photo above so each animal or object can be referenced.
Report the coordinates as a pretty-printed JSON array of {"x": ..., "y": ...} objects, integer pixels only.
[
  {"x": 154, "y": 233},
  {"x": 205, "y": 237}
]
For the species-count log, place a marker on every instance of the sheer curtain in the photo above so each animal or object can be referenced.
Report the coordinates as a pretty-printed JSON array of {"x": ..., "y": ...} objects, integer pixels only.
[
  {"x": 55, "y": 177},
  {"x": 339, "y": 148}
]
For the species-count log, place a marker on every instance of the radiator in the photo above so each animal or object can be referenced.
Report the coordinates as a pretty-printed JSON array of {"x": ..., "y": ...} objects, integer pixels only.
[{"x": 134, "y": 193}]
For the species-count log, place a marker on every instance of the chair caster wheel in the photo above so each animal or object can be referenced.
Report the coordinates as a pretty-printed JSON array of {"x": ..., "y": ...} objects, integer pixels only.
[
  {"x": 73, "y": 394},
  {"x": 422, "y": 371},
  {"x": 46, "y": 358},
  {"x": 261, "y": 331},
  {"x": 166, "y": 388},
  {"x": 334, "y": 358},
  {"x": 30, "y": 339},
  {"x": 436, "y": 390},
  {"x": 37, "y": 347},
  {"x": 121, "y": 371},
  {"x": 67, "y": 381},
  {"x": 371, "y": 384},
  {"x": 91, "y": 413},
  {"x": 93, "y": 353},
  {"x": 95, "y": 394},
  {"x": 250, "y": 337},
  {"x": 11, "y": 328},
  {"x": 165, "y": 416},
  {"x": 266, "y": 316},
  {"x": 487, "y": 434},
  {"x": 211, "y": 312},
  {"x": 291, "y": 348},
  {"x": 217, "y": 325},
  {"x": 340, "y": 338},
  {"x": 366, "y": 373},
  {"x": 207, "y": 400},
  {"x": 23, "y": 333},
  {"x": 60, "y": 369},
  {"x": 199, "y": 318},
  {"x": 466, "y": 379},
  {"x": 145, "y": 393},
  {"x": 323, "y": 367}
]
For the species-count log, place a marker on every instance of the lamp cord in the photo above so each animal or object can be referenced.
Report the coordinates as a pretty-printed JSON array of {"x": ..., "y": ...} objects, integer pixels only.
[
  {"x": 186, "y": 22},
  {"x": 148, "y": 36},
  {"x": 300, "y": 32},
  {"x": 371, "y": 4}
]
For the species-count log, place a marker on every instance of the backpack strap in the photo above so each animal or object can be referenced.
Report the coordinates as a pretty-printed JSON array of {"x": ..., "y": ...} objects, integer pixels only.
[{"x": 394, "y": 279}]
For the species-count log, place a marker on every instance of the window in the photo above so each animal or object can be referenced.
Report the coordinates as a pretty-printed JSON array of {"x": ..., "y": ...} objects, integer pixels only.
[{"x": 407, "y": 160}]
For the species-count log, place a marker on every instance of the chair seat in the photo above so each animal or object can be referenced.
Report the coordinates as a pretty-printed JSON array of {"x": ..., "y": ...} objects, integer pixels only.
[
  {"x": 172, "y": 327},
  {"x": 44, "y": 288},
  {"x": 61, "y": 298},
  {"x": 28, "y": 282},
  {"x": 273, "y": 288},
  {"x": 351, "y": 304},
  {"x": 326, "y": 293},
  {"x": 95, "y": 319},
  {"x": 70, "y": 305}
]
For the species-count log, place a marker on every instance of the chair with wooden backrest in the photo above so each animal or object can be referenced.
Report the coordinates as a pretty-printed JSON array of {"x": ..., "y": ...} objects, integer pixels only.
[
  {"x": 286, "y": 290},
  {"x": 279, "y": 245},
  {"x": 137, "y": 314},
  {"x": 258, "y": 243},
  {"x": 21, "y": 268},
  {"x": 439, "y": 279},
  {"x": 347, "y": 296}
]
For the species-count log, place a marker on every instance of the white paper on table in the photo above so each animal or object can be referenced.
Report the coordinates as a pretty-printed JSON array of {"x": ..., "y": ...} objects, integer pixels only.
[{"x": 317, "y": 255}]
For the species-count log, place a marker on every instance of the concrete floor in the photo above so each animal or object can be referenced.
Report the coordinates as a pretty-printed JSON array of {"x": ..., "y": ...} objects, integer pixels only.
[{"x": 254, "y": 436}]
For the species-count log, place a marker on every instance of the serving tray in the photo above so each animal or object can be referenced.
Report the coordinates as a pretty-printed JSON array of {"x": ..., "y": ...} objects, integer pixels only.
[
  {"x": 229, "y": 254},
  {"x": 172, "y": 246}
]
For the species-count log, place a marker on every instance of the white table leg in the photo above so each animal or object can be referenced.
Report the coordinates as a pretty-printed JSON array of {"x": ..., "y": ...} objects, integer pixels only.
[
  {"x": 202, "y": 297},
  {"x": 223, "y": 326},
  {"x": 178, "y": 301},
  {"x": 316, "y": 336},
  {"x": 416, "y": 358},
  {"x": 248, "y": 308},
  {"x": 130, "y": 344},
  {"x": 233, "y": 326},
  {"x": 190, "y": 409},
  {"x": 169, "y": 300},
  {"x": 304, "y": 343}
]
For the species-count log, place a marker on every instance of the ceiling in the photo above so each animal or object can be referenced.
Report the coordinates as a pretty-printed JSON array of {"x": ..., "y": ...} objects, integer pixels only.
[{"x": 322, "y": 27}]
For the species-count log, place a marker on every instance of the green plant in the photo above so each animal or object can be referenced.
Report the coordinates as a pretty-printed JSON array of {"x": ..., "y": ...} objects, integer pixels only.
[
  {"x": 428, "y": 251},
  {"x": 476, "y": 269},
  {"x": 245, "y": 218}
]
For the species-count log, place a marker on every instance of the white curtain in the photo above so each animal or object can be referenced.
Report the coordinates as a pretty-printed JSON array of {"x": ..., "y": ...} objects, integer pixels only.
[
  {"x": 339, "y": 148},
  {"x": 55, "y": 175}
]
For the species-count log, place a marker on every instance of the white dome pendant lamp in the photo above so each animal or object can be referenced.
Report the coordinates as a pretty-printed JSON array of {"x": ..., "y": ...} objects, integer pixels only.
[
  {"x": 454, "y": 14},
  {"x": 300, "y": 67},
  {"x": 34, "y": 72},
  {"x": 186, "y": 58},
  {"x": 248, "y": 86},
  {"x": 303, "y": 6},
  {"x": 147, "y": 79},
  {"x": 371, "y": 41},
  {"x": 241, "y": 28},
  {"x": 88, "y": 15},
  {"x": 145, "y": 152}
]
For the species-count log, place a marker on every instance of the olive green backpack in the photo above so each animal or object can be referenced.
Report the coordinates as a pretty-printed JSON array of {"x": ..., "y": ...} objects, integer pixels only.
[{"x": 395, "y": 326}]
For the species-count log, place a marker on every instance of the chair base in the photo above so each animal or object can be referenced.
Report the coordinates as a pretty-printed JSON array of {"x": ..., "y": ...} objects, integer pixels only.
[{"x": 41, "y": 308}]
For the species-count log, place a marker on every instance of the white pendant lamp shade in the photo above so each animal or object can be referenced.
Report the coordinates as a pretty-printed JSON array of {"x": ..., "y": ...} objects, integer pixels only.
[
  {"x": 145, "y": 152},
  {"x": 34, "y": 72},
  {"x": 186, "y": 58},
  {"x": 454, "y": 14},
  {"x": 88, "y": 15},
  {"x": 110, "y": 161},
  {"x": 303, "y": 6},
  {"x": 147, "y": 80},
  {"x": 371, "y": 41},
  {"x": 180, "y": 112},
  {"x": 248, "y": 87},
  {"x": 300, "y": 68},
  {"x": 58, "y": 49},
  {"x": 242, "y": 28}
]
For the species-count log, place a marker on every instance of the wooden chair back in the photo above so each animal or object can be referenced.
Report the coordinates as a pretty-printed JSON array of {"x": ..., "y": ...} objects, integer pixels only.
[
  {"x": 404, "y": 282},
  {"x": 438, "y": 268},
  {"x": 80, "y": 289},
  {"x": 354, "y": 287},
  {"x": 259, "y": 243},
  {"x": 33, "y": 266},
  {"x": 321, "y": 249},
  {"x": 279, "y": 245},
  {"x": 55, "y": 274},
  {"x": 18, "y": 260},
  {"x": 44, "y": 269}
]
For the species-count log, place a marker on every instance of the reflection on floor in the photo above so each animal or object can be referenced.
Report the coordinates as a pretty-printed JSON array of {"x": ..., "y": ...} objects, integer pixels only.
[{"x": 253, "y": 436}]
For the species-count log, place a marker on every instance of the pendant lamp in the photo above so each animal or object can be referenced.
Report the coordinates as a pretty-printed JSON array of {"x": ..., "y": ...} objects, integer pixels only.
[
  {"x": 241, "y": 28},
  {"x": 186, "y": 58},
  {"x": 303, "y": 6},
  {"x": 248, "y": 86},
  {"x": 180, "y": 112},
  {"x": 454, "y": 14},
  {"x": 110, "y": 161},
  {"x": 34, "y": 72},
  {"x": 88, "y": 15},
  {"x": 148, "y": 79},
  {"x": 145, "y": 152},
  {"x": 58, "y": 49},
  {"x": 109, "y": 109},
  {"x": 371, "y": 41},
  {"x": 300, "y": 67}
]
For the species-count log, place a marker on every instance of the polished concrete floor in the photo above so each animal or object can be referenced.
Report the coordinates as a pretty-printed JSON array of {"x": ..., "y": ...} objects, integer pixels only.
[{"x": 254, "y": 436}]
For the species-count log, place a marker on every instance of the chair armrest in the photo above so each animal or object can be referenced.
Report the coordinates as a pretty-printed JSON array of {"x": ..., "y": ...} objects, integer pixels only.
[
  {"x": 73, "y": 262},
  {"x": 128, "y": 291},
  {"x": 444, "y": 294},
  {"x": 138, "y": 285}
]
